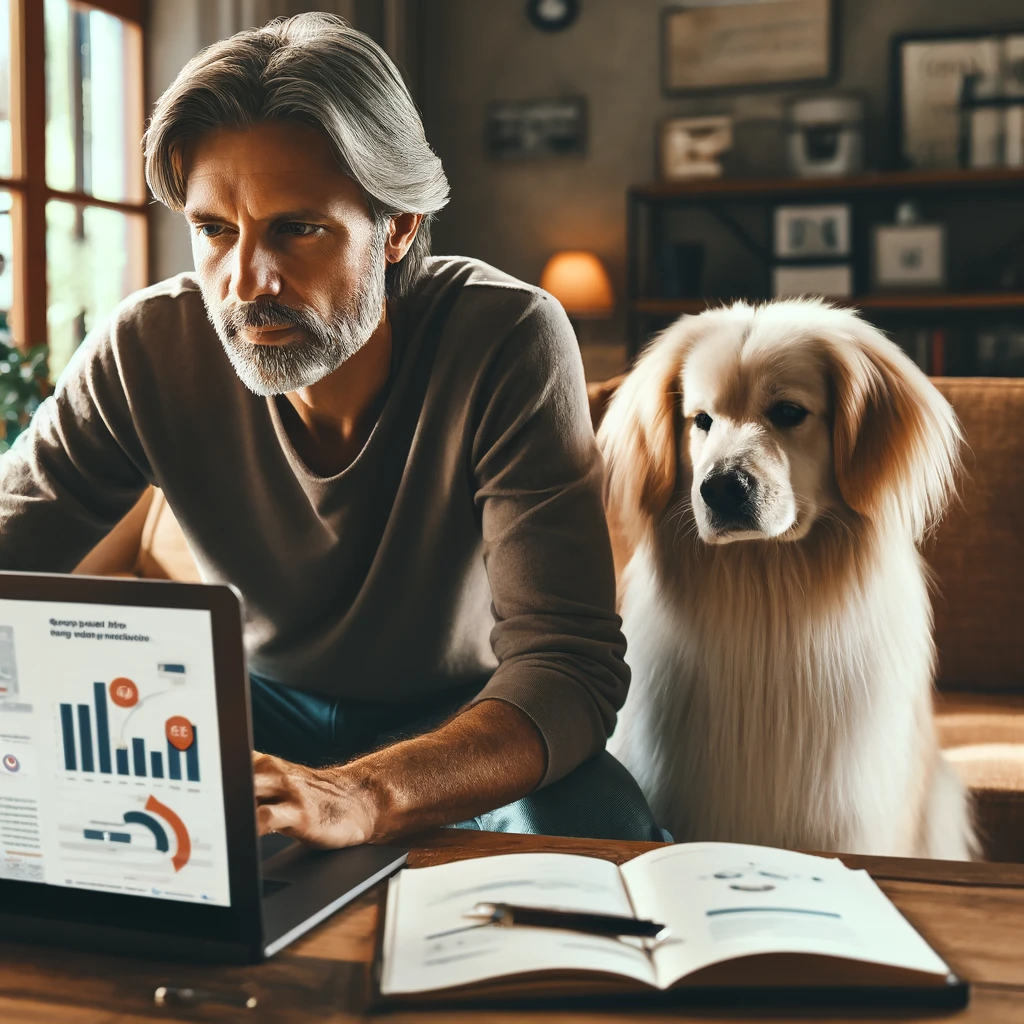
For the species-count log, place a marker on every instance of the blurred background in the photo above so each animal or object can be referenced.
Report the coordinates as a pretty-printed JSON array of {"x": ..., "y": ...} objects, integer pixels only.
[{"x": 642, "y": 159}]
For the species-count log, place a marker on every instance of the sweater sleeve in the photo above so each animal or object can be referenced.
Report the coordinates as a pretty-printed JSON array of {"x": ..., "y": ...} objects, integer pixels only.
[
  {"x": 548, "y": 556},
  {"x": 78, "y": 468}
]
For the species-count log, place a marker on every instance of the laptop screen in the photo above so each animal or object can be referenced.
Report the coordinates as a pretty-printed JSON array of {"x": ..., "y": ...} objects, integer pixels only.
[{"x": 110, "y": 767}]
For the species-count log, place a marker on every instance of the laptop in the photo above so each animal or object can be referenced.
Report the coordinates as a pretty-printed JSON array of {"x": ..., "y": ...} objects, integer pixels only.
[{"x": 127, "y": 815}]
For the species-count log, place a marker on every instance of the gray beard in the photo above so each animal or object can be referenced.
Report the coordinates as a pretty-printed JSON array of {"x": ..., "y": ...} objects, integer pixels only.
[{"x": 326, "y": 343}]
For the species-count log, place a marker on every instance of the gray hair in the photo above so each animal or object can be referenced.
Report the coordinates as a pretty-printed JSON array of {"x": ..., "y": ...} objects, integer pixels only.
[{"x": 316, "y": 70}]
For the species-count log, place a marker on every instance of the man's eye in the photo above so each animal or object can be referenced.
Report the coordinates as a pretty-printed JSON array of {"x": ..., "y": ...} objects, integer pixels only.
[
  {"x": 702, "y": 421},
  {"x": 210, "y": 230},
  {"x": 787, "y": 414},
  {"x": 294, "y": 227}
]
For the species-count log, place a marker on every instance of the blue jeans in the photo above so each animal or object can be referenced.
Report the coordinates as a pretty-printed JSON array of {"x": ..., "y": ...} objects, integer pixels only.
[{"x": 598, "y": 800}]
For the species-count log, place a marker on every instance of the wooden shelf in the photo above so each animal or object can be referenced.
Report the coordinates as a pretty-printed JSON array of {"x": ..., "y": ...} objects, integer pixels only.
[
  {"x": 956, "y": 180},
  {"x": 896, "y": 302}
]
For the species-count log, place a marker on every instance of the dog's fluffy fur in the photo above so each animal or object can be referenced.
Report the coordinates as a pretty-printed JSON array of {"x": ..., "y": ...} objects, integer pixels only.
[{"x": 783, "y": 667}]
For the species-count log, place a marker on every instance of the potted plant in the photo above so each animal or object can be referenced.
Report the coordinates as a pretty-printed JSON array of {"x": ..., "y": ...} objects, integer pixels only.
[{"x": 24, "y": 383}]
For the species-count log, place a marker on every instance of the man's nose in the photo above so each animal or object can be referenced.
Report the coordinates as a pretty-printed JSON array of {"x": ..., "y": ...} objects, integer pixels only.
[
  {"x": 255, "y": 273},
  {"x": 728, "y": 494}
]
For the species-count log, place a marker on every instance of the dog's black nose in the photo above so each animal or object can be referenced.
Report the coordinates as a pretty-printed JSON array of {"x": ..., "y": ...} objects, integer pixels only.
[{"x": 728, "y": 494}]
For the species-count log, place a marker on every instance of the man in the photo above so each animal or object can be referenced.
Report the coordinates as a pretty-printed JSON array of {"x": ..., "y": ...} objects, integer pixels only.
[{"x": 373, "y": 445}]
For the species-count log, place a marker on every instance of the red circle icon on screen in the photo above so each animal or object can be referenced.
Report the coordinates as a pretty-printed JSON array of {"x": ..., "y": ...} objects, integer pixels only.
[
  {"x": 124, "y": 693},
  {"x": 179, "y": 732}
]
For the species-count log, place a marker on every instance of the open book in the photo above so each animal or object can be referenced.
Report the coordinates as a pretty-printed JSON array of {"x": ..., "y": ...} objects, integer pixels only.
[{"x": 740, "y": 916}]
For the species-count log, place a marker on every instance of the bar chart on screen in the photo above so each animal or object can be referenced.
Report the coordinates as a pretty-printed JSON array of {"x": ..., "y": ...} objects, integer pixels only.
[
  {"x": 128, "y": 728},
  {"x": 110, "y": 761}
]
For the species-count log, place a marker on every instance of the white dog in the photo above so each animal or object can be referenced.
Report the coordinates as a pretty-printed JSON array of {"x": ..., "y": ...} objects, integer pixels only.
[{"x": 773, "y": 469}]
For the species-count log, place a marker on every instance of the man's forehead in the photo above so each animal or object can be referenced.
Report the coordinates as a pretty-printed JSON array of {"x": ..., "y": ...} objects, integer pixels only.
[
  {"x": 264, "y": 190},
  {"x": 287, "y": 167}
]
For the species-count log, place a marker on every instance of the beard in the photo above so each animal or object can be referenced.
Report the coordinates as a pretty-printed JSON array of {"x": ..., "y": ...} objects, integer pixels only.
[{"x": 323, "y": 344}]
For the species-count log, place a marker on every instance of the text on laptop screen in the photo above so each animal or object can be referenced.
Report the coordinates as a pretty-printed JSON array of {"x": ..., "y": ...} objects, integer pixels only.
[{"x": 110, "y": 777}]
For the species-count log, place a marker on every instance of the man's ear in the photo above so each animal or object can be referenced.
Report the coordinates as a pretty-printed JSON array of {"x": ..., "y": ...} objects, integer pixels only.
[
  {"x": 402, "y": 231},
  {"x": 896, "y": 441},
  {"x": 638, "y": 436}
]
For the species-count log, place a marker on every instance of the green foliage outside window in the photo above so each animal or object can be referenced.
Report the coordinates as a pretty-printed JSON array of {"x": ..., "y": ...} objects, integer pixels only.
[{"x": 23, "y": 385}]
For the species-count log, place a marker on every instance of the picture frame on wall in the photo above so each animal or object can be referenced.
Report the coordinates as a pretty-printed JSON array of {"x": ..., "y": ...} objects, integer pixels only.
[
  {"x": 929, "y": 70},
  {"x": 689, "y": 147},
  {"x": 744, "y": 45},
  {"x": 532, "y": 129},
  {"x": 812, "y": 232},
  {"x": 910, "y": 257},
  {"x": 536, "y": 129},
  {"x": 829, "y": 280}
]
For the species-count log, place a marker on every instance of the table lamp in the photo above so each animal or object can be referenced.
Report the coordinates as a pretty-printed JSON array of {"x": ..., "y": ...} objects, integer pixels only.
[{"x": 578, "y": 280}]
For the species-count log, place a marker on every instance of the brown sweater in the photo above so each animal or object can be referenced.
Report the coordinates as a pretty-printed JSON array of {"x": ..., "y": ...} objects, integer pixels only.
[{"x": 466, "y": 542}]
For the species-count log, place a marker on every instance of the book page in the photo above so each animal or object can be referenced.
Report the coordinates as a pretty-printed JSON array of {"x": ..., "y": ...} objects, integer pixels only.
[
  {"x": 429, "y": 944},
  {"x": 724, "y": 901}
]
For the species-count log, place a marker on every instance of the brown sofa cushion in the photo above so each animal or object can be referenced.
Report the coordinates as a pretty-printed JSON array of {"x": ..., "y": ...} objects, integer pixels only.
[
  {"x": 147, "y": 543},
  {"x": 977, "y": 554},
  {"x": 983, "y": 737},
  {"x": 163, "y": 552}
]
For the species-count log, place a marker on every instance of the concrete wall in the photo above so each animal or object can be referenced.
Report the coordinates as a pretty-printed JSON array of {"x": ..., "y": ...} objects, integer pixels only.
[{"x": 514, "y": 216}]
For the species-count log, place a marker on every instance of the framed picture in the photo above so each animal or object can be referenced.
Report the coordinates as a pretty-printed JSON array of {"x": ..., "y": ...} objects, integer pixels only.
[
  {"x": 736, "y": 46},
  {"x": 688, "y": 146},
  {"x": 928, "y": 74},
  {"x": 534, "y": 129},
  {"x": 909, "y": 256},
  {"x": 833, "y": 281},
  {"x": 803, "y": 232}
]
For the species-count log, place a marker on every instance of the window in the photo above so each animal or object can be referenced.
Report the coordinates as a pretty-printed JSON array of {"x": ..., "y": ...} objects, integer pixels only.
[{"x": 72, "y": 193}]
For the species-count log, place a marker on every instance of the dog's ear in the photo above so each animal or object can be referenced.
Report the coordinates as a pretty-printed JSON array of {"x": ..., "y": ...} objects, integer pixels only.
[
  {"x": 896, "y": 440},
  {"x": 638, "y": 436},
  {"x": 599, "y": 394}
]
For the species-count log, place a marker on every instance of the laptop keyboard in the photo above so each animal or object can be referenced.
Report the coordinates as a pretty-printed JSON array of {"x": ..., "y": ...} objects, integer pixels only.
[
  {"x": 273, "y": 844},
  {"x": 273, "y": 885}
]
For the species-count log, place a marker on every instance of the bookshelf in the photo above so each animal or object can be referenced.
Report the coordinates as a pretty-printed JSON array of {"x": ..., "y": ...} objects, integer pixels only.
[
  {"x": 957, "y": 180},
  {"x": 900, "y": 302},
  {"x": 736, "y": 216}
]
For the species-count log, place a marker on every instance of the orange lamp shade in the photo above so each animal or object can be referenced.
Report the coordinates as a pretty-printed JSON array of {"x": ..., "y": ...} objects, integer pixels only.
[{"x": 580, "y": 283}]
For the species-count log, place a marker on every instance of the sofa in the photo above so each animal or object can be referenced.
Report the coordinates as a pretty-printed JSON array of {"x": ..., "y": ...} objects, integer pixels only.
[{"x": 976, "y": 557}]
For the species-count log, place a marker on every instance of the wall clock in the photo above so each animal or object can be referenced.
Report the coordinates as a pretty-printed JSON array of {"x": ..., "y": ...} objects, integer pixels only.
[{"x": 552, "y": 15}]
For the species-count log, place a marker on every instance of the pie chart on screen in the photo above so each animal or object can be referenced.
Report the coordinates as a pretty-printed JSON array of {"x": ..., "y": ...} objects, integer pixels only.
[
  {"x": 161, "y": 821},
  {"x": 183, "y": 840}
]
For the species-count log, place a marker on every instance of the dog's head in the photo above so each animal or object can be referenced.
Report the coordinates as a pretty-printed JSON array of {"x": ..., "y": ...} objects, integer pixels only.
[{"x": 767, "y": 419}]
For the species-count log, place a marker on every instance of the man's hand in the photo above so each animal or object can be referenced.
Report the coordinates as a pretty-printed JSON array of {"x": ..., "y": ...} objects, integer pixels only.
[
  {"x": 320, "y": 806},
  {"x": 487, "y": 756}
]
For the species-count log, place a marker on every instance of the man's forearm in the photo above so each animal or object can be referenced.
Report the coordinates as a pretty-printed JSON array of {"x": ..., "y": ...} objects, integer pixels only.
[{"x": 485, "y": 757}]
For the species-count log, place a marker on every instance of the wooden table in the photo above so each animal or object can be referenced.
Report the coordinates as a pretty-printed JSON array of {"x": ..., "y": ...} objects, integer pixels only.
[{"x": 973, "y": 914}]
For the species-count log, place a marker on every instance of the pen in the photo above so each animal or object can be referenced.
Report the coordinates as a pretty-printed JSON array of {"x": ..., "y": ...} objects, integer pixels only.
[
  {"x": 173, "y": 995},
  {"x": 507, "y": 915}
]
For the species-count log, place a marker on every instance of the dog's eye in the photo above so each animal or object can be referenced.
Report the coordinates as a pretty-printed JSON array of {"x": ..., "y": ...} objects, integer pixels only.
[
  {"x": 787, "y": 414},
  {"x": 702, "y": 421}
]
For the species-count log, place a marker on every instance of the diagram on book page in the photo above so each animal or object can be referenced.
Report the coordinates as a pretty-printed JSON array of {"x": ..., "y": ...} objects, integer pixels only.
[
  {"x": 755, "y": 876},
  {"x": 728, "y": 901},
  {"x": 756, "y": 898}
]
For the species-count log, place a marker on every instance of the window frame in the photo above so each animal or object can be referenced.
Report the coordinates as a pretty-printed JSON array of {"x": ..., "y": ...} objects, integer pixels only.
[{"x": 28, "y": 186}]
